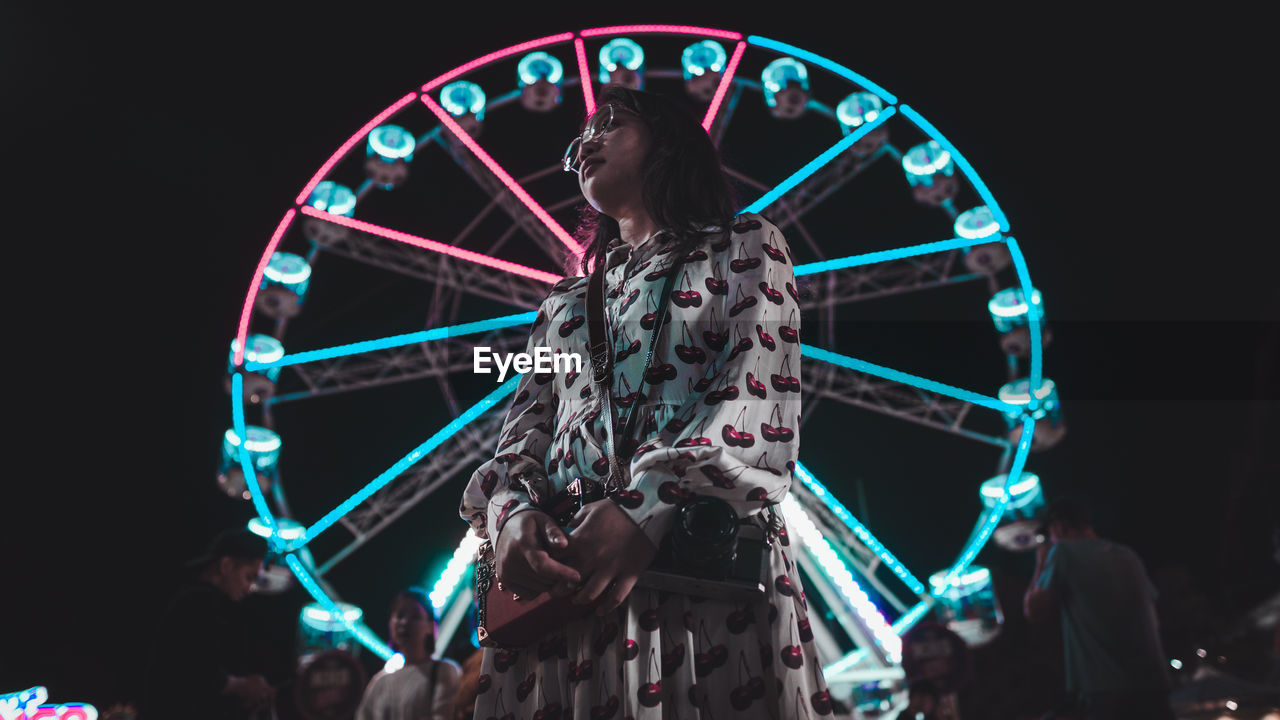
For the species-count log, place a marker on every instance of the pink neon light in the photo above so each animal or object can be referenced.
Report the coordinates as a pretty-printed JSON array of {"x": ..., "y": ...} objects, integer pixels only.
[
  {"x": 496, "y": 55},
  {"x": 243, "y": 332},
  {"x": 724, "y": 86},
  {"x": 678, "y": 29},
  {"x": 350, "y": 143},
  {"x": 432, "y": 245},
  {"x": 584, "y": 71},
  {"x": 502, "y": 175}
]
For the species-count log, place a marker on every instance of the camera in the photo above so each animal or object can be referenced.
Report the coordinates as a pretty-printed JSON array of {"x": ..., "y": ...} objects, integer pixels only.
[{"x": 710, "y": 552}]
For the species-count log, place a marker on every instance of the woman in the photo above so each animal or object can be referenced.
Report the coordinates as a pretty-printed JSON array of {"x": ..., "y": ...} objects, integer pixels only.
[
  {"x": 422, "y": 687},
  {"x": 719, "y": 417}
]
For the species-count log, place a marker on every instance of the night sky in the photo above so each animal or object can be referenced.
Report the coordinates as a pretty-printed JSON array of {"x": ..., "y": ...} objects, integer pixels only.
[{"x": 154, "y": 154}]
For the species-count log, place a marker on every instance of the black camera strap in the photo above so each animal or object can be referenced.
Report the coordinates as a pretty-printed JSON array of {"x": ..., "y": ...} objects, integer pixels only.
[{"x": 601, "y": 351}]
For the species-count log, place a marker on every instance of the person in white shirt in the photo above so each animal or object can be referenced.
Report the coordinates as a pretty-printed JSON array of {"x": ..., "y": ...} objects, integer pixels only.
[{"x": 422, "y": 688}]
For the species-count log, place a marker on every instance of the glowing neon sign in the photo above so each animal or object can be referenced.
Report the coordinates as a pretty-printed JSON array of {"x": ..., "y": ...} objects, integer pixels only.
[{"x": 30, "y": 705}]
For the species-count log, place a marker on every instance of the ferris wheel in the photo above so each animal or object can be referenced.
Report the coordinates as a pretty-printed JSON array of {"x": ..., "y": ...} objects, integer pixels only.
[{"x": 443, "y": 191}]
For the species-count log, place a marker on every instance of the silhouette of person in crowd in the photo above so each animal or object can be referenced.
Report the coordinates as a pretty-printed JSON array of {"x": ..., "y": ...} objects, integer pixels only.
[{"x": 202, "y": 665}]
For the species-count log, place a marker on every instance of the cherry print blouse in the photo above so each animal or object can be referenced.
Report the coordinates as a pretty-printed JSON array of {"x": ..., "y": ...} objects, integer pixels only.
[{"x": 719, "y": 409}]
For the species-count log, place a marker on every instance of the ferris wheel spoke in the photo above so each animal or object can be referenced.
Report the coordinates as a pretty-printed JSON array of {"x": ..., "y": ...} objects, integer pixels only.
[
  {"x": 394, "y": 341},
  {"x": 881, "y": 256},
  {"x": 444, "y": 358},
  {"x": 441, "y": 271},
  {"x": 523, "y": 195},
  {"x": 818, "y": 162},
  {"x": 406, "y": 462},
  {"x": 461, "y": 454},
  {"x": 725, "y": 81},
  {"x": 433, "y": 246},
  {"x": 886, "y": 397},
  {"x": 898, "y": 376},
  {"x": 863, "y": 535},
  {"x": 584, "y": 75}
]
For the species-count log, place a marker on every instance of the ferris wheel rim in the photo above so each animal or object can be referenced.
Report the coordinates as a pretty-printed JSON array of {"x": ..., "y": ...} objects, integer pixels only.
[{"x": 240, "y": 366}]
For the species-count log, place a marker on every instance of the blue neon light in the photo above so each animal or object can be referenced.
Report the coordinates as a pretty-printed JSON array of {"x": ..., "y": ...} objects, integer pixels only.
[
  {"x": 822, "y": 62},
  {"x": 246, "y": 461},
  {"x": 907, "y": 379},
  {"x": 782, "y": 73},
  {"x": 912, "y": 616},
  {"x": 835, "y": 569},
  {"x": 405, "y": 462},
  {"x": 964, "y": 165},
  {"x": 397, "y": 341},
  {"x": 925, "y": 160},
  {"x": 391, "y": 143},
  {"x": 885, "y": 255},
  {"x": 900, "y": 626},
  {"x": 462, "y": 97},
  {"x": 976, "y": 223},
  {"x": 703, "y": 56},
  {"x": 818, "y": 162},
  {"x": 845, "y": 662},
  {"x": 857, "y": 109},
  {"x": 361, "y": 631},
  {"x": 539, "y": 66},
  {"x": 840, "y": 511},
  {"x": 1033, "y": 320},
  {"x": 620, "y": 52},
  {"x": 333, "y": 198},
  {"x": 995, "y": 512}
]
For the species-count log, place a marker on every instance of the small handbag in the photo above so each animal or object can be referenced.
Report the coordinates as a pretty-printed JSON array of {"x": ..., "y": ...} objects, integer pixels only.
[{"x": 504, "y": 619}]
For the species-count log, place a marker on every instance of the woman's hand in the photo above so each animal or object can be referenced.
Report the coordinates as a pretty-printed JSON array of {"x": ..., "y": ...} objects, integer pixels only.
[
  {"x": 523, "y": 555},
  {"x": 610, "y": 551}
]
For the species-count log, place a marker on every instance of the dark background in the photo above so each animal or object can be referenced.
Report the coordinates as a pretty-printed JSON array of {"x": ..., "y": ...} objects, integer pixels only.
[{"x": 1123, "y": 151}]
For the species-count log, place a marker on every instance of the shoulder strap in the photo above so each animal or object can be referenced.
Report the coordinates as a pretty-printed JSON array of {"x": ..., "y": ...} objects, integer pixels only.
[{"x": 601, "y": 353}]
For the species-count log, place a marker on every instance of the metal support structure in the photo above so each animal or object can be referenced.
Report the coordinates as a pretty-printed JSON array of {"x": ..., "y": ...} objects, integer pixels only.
[
  {"x": 826, "y": 381},
  {"x": 890, "y": 278},
  {"x": 459, "y": 455},
  {"x": 395, "y": 365},
  {"x": 454, "y": 281},
  {"x": 827, "y": 180},
  {"x": 503, "y": 287},
  {"x": 494, "y": 188},
  {"x": 849, "y": 620},
  {"x": 853, "y": 551}
]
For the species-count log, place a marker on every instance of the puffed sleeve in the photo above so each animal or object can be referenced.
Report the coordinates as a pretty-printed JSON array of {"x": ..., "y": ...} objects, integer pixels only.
[
  {"x": 502, "y": 487},
  {"x": 736, "y": 436}
]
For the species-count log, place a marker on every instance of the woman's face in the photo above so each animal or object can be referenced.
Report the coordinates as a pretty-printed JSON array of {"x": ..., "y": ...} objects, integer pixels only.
[
  {"x": 613, "y": 164},
  {"x": 410, "y": 625}
]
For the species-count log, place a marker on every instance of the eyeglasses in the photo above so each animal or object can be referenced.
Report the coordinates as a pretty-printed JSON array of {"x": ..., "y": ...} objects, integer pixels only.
[{"x": 599, "y": 124}]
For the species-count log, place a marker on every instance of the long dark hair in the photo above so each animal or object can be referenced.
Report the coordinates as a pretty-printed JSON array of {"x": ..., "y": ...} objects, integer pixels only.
[{"x": 684, "y": 186}]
